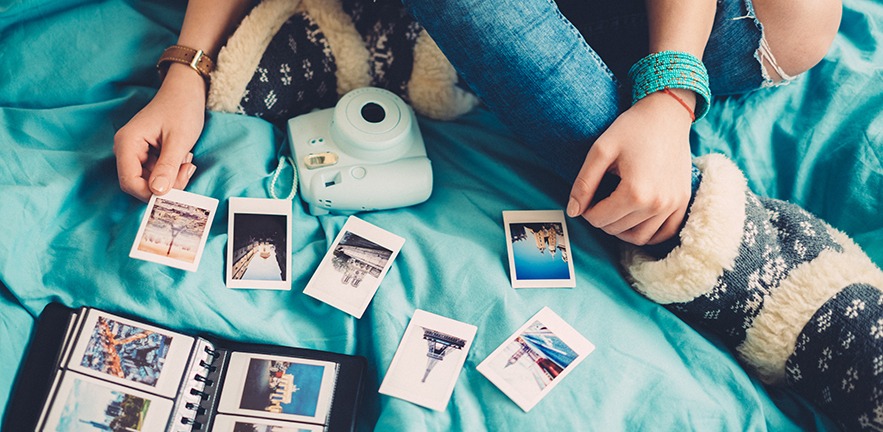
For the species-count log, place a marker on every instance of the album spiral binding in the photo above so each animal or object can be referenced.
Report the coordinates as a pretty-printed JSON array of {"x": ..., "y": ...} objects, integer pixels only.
[{"x": 88, "y": 368}]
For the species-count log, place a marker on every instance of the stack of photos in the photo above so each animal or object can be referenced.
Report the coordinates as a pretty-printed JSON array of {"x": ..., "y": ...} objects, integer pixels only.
[
  {"x": 259, "y": 251},
  {"x": 535, "y": 358},
  {"x": 539, "y": 249},
  {"x": 265, "y": 387},
  {"x": 428, "y": 361},
  {"x": 174, "y": 229},
  {"x": 121, "y": 375},
  {"x": 354, "y": 266}
]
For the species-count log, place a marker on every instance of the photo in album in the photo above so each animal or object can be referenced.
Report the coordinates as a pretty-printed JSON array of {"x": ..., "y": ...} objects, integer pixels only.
[
  {"x": 131, "y": 353},
  {"x": 277, "y": 387},
  {"x": 88, "y": 404},
  {"x": 127, "y": 352},
  {"x": 225, "y": 423}
]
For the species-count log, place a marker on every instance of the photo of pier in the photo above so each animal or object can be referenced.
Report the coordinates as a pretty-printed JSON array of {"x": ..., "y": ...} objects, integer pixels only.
[{"x": 260, "y": 252}]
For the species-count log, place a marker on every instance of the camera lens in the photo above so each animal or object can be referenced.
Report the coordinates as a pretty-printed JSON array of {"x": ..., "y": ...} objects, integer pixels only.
[{"x": 373, "y": 113}]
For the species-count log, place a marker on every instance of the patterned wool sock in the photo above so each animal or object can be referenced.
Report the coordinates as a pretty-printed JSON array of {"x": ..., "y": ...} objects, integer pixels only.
[
  {"x": 798, "y": 300},
  {"x": 289, "y": 57}
]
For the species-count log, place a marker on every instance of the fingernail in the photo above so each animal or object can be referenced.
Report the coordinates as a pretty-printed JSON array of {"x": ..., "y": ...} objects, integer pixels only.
[
  {"x": 191, "y": 170},
  {"x": 188, "y": 158},
  {"x": 572, "y": 208},
  {"x": 160, "y": 184}
]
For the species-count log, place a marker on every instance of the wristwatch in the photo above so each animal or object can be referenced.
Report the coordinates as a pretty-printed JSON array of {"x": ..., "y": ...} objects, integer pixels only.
[{"x": 196, "y": 59}]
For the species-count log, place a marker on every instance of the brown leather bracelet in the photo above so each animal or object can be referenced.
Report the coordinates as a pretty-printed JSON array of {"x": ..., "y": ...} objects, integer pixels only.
[{"x": 196, "y": 59}]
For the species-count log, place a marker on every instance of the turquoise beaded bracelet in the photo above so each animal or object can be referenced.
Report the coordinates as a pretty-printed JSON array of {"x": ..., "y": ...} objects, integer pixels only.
[{"x": 671, "y": 69}]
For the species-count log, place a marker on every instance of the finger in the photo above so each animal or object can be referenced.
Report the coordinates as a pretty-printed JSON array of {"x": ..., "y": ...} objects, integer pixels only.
[
  {"x": 149, "y": 165},
  {"x": 165, "y": 172},
  {"x": 670, "y": 228},
  {"x": 627, "y": 222},
  {"x": 184, "y": 175},
  {"x": 586, "y": 184},
  {"x": 643, "y": 232},
  {"x": 131, "y": 153},
  {"x": 618, "y": 206}
]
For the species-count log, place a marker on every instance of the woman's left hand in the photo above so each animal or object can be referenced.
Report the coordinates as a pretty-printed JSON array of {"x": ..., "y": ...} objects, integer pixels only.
[{"x": 648, "y": 147}]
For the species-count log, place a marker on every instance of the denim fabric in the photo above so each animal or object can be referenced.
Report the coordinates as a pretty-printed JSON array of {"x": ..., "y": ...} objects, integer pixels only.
[
  {"x": 533, "y": 67},
  {"x": 619, "y": 33}
]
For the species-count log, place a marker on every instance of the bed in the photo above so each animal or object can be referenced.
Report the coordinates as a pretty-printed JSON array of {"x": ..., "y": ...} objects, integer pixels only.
[{"x": 73, "y": 72}]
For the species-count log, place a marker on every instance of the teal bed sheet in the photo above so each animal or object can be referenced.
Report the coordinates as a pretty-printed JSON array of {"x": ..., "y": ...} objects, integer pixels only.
[{"x": 73, "y": 72}]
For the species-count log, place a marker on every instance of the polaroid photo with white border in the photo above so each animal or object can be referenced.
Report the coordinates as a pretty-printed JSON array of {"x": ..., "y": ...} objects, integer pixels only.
[
  {"x": 535, "y": 358},
  {"x": 174, "y": 229},
  {"x": 82, "y": 401},
  {"x": 278, "y": 387},
  {"x": 226, "y": 423},
  {"x": 259, "y": 243},
  {"x": 428, "y": 360},
  {"x": 354, "y": 266},
  {"x": 539, "y": 249},
  {"x": 131, "y": 353}
]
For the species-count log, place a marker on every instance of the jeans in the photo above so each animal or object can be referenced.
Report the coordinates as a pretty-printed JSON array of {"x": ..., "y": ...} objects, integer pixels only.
[{"x": 536, "y": 69}]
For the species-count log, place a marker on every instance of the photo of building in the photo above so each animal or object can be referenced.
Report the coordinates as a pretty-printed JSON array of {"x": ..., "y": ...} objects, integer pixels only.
[
  {"x": 282, "y": 387},
  {"x": 357, "y": 258},
  {"x": 93, "y": 407},
  {"x": 438, "y": 345},
  {"x": 534, "y": 359},
  {"x": 539, "y": 251},
  {"x": 126, "y": 352}
]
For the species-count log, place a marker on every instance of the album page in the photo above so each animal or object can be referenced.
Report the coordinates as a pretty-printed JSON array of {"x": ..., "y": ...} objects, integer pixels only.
[{"x": 121, "y": 374}]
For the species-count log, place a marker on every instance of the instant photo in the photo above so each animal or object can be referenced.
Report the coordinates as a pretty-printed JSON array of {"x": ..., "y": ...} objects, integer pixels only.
[
  {"x": 259, "y": 244},
  {"x": 280, "y": 388},
  {"x": 535, "y": 358},
  {"x": 131, "y": 354},
  {"x": 225, "y": 423},
  {"x": 539, "y": 249},
  {"x": 86, "y": 404},
  {"x": 428, "y": 361},
  {"x": 354, "y": 266},
  {"x": 174, "y": 229}
]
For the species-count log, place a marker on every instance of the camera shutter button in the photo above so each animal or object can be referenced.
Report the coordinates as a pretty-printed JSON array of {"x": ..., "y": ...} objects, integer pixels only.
[{"x": 358, "y": 172}]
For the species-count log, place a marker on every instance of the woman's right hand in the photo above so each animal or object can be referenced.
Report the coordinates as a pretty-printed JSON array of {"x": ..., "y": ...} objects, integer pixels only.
[{"x": 153, "y": 149}]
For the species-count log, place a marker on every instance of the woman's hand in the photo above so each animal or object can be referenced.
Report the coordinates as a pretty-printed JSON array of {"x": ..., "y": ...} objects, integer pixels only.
[
  {"x": 153, "y": 149},
  {"x": 648, "y": 147}
]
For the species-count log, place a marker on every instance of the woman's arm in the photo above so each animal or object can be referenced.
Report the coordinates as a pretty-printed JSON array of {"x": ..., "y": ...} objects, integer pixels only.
[
  {"x": 648, "y": 145},
  {"x": 153, "y": 149}
]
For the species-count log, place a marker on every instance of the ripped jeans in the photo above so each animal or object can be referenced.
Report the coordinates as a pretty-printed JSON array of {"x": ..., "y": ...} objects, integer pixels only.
[{"x": 555, "y": 72}]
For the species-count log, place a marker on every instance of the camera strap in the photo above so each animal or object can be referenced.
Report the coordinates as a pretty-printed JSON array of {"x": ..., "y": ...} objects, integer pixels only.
[{"x": 280, "y": 166}]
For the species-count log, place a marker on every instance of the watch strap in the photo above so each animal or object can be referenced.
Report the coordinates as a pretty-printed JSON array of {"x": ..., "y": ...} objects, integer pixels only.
[{"x": 196, "y": 59}]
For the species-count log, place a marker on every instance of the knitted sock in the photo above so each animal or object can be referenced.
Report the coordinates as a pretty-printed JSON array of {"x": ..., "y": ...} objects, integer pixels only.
[
  {"x": 289, "y": 57},
  {"x": 295, "y": 74},
  {"x": 798, "y": 301},
  {"x": 390, "y": 34}
]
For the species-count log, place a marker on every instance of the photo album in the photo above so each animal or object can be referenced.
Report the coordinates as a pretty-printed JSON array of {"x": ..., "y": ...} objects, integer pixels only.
[{"x": 90, "y": 370}]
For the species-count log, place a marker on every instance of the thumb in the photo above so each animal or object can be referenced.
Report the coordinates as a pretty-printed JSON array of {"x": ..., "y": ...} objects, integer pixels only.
[
  {"x": 171, "y": 156},
  {"x": 586, "y": 184}
]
